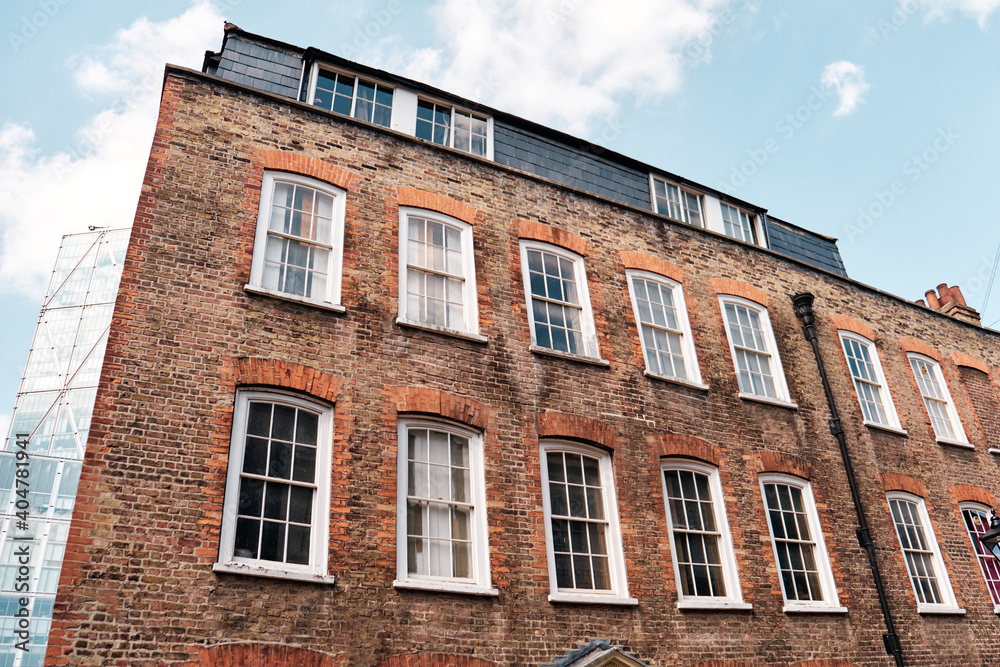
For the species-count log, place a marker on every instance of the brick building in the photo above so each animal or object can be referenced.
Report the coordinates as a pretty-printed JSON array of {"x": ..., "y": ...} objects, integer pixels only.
[{"x": 398, "y": 379}]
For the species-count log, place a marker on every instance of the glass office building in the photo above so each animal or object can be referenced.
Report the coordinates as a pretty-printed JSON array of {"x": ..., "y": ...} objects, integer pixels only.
[{"x": 53, "y": 409}]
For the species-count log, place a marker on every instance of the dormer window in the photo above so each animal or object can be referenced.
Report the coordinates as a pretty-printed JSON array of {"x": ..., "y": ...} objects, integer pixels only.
[
  {"x": 353, "y": 96},
  {"x": 448, "y": 126},
  {"x": 738, "y": 224},
  {"x": 677, "y": 203}
]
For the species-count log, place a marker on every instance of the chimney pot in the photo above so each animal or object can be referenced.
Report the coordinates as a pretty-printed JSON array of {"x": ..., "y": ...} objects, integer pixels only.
[
  {"x": 956, "y": 293},
  {"x": 920, "y": 302},
  {"x": 932, "y": 299},
  {"x": 944, "y": 293}
]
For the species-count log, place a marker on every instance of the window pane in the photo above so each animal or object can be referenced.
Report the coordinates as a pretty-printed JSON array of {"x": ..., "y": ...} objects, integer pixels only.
[{"x": 793, "y": 542}]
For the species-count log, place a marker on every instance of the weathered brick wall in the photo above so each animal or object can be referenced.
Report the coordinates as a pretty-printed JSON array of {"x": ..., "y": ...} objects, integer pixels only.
[{"x": 138, "y": 586}]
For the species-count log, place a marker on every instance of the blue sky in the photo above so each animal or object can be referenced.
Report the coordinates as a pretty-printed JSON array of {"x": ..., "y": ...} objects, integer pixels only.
[{"x": 874, "y": 122}]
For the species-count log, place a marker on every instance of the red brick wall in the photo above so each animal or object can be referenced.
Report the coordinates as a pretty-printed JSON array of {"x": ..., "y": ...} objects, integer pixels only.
[{"x": 138, "y": 587}]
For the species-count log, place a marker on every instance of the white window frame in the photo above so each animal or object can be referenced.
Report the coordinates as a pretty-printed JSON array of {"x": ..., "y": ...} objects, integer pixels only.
[
  {"x": 948, "y": 604},
  {"x": 734, "y": 594},
  {"x": 317, "y": 69},
  {"x": 588, "y": 332},
  {"x": 331, "y": 299},
  {"x": 751, "y": 220},
  {"x": 777, "y": 373},
  {"x": 316, "y": 569},
  {"x": 451, "y": 126},
  {"x": 882, "y": 387},
  {"x": 470, "y": 321},
  {"x": 985, "y": 559},
  {"x": 480, "y": 581},
  {"x": 955, "y": 421},
  {"x": 684, "y": 327},
  {"x": 831, "y": 601},
  {"x": 682, "y": 204},
  {"x": 618, "y": 594}
]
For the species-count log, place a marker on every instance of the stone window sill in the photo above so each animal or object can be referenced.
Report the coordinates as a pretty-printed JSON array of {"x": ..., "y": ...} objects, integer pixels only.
[
  {"x": 770, "y": 401},
  {"x": 272, "y": 573},
  {"x": 315, "y": 303},
  {"x": 714, "y": 605},
  {"x": 886, "y": 427},
  {"x": 445, "y": 587},
  {"x": 445, "y": 331},
  {"x": 673, "y": 380},
  {"x": 583, "y": 359},
  {"x": 593, "y": 599}
]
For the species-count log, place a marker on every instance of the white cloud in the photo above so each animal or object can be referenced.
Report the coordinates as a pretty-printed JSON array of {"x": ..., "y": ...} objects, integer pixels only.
[
  {"x": 977, "y": 9},
  {"x": 848, "y": 80},
  {"x": 95, "y": 181},
  {"x": 568, "y": 62}
]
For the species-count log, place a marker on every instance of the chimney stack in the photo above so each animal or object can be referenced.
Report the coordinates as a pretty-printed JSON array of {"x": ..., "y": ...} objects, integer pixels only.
[{"x": 949, "y": 300}]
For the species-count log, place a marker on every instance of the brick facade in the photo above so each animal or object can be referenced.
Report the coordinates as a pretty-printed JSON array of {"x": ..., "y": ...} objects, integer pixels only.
[{"x": 138, "y": 587}]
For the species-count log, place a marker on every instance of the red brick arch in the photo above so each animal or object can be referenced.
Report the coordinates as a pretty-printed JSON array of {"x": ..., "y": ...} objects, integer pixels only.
[
  {"x": 436, "y": 202},
  {"x": 644, "y": 262},
  {"x": 823, "y": 663},
  {"x": 426, "y": 400},
  {"x": 895, "y": 481},
  {"x": 779, "y": 462},
  {"x": 722, "y": 663},
  {"x": 962, "y": 359},
  {"x": 310, "y": 166},
  {"x": 536, "y": 231},
  {"x": 265, "y": 655},
  {"x": 688, "y": 446},
  {"x": 436, "y": 660},
  {"x": 575, "y": 427},
  {"x": 920, "y": 347},
  {"x": 736, "y": 288},
  {"x": 962, "y": 493},
  {"x": 287, "y": 374},
  {"x": 845, "y": 323}
]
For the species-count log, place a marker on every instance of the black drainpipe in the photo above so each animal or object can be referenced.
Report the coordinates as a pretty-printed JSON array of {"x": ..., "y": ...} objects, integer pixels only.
[{"x": 804, "y": 311}]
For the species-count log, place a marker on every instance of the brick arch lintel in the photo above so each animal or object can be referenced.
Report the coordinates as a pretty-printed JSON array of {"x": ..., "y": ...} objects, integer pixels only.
[
  {"x": 551, "y": 424},
  {"x": 430, "y": 401},
  {"x": 687, "y": 446},
  {"x": 433, "y": 201},
  {"x": 962, "y": 493},
  {"x": 722, "y": 663},
  {"x": 265, "y": 655},
  {"x": 288, "y": 375},
  {"x": 645, "y": 262},
  {"x": 824, "y": 662},
  {"x": 845, "y": 323},
  {"x": 962, "y": 359},
  {"x": 895, "y": 481},
  {"x": 768, "y": 461},
  {"x": 920, "y": 347},
  {"x": 536, "y": 231},
  {"x": 736, "y": 288},
  {"x": 435, "y": 660},
  {"x": 309, "y": 166}
]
